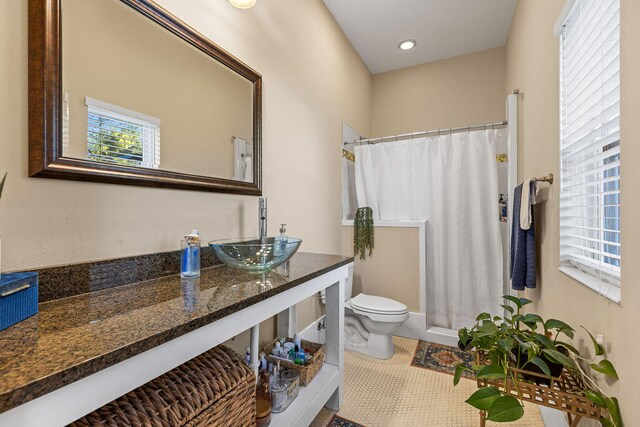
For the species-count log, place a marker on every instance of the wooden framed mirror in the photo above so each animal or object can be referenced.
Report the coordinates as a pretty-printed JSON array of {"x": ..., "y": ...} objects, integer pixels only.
[{"x": 123, "y": 92}]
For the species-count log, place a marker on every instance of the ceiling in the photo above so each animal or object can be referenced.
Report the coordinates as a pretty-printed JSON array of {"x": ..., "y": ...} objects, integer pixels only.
[{"x": 442, "y": 28}]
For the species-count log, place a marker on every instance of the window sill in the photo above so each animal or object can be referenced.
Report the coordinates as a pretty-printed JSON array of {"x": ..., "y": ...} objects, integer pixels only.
[{"x": 605, "y": 289}]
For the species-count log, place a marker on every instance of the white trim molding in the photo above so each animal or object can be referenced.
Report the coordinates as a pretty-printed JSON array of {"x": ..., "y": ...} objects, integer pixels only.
[{"x": 563, "y": 16}]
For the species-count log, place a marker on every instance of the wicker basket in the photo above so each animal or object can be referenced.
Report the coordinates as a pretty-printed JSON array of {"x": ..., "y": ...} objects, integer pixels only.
[
  {"x": 307, "y": 371},
  {"x": 214, "y": 389}
]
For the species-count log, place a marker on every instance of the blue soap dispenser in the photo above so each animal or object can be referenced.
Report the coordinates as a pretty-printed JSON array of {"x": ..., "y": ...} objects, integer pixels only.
[
  {"x": 190, "y": 255},
  {"x": 280, "y": 242}
]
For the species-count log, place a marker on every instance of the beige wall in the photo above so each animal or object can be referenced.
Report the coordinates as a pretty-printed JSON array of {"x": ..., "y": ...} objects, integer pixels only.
[
  {"x": 453, "y": 92},
  {"x": 140, "y": 66},
  {"x": 393, "y": 271},
  {"x": 532, "y": 66},
  {"x": 313, "y": 80}
]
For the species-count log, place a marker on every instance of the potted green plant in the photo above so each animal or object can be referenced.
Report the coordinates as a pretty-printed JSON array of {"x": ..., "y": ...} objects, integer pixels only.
[{"x": 530, "y": 343}]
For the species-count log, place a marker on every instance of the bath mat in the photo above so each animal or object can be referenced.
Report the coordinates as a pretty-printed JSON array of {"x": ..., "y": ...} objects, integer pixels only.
[
  {"x": 441, "y": 358},
  {"x": 337, "y": 421}
]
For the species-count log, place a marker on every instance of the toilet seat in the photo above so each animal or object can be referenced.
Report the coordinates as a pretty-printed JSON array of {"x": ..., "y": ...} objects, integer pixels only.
[
  {"x": 377, "y": 305},
  {"x": 382, "y": 318},
  {"x": 378, "y": 309}
]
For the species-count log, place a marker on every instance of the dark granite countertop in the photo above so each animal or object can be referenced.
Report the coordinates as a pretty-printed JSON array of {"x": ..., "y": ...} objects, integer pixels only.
[{"x": 74, "y": 337}]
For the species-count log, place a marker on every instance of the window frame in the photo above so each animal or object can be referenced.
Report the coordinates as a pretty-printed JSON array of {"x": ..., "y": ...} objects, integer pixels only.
[
  {"x": 150, "y": 149},
  {"x": 586, "y": 273}
]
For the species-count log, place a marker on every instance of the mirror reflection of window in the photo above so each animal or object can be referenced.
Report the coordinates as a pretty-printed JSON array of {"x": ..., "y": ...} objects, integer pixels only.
[{"x": 121, "y": 136}]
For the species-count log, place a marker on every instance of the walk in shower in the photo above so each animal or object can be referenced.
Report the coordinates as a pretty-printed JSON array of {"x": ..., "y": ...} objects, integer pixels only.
[{"x": 452, "y": 179}]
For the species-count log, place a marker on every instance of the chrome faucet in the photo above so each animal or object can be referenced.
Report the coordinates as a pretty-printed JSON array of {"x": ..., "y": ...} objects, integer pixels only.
[{"x": 262, "y": 219}]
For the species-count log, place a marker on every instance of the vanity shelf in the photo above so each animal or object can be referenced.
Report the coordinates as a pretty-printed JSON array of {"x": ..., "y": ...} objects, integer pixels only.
[
  {"x": 310, "y": 399},
  {"x": 82, "y": 352}
]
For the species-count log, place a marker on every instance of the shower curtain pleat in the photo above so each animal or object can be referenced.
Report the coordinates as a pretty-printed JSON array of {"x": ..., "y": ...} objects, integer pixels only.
[{"x": 451, "y": 181}]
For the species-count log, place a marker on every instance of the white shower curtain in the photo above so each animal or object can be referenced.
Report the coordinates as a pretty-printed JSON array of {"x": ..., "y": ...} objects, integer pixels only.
[{"x": 452, "y": 182}]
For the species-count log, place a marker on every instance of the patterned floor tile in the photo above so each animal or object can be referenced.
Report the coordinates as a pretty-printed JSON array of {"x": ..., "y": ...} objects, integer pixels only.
[{"x": 390, "y": 393}]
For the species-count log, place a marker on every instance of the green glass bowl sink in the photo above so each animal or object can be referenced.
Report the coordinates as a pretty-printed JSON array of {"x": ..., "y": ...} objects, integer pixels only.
[{"x": 250, "y": 254}]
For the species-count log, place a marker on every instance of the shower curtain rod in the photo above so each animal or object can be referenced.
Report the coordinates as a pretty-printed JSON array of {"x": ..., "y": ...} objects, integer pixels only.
[{"x": 426, "y": 133}]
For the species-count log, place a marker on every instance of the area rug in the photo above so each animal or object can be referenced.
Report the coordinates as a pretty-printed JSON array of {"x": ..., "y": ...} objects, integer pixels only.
[
  {"x": 337, "y": 421},
  {"x": 442, "y": 358}
]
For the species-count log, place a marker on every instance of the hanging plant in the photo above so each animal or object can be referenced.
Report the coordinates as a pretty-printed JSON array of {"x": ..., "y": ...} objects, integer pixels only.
[{"x": 363, "y": 233}]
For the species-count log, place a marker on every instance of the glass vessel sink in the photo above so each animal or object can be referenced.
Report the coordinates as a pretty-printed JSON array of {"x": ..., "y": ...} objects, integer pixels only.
[{"x": 249, "y": 254}]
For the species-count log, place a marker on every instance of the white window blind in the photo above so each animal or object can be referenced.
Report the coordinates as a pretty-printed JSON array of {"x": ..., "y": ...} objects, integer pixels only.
[
  {"x": 121, "y": 136},
  {"x": 590, "y": 144}
]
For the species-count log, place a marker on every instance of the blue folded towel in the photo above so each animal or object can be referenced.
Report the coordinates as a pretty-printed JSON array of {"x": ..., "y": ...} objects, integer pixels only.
[{"x": 522, "y": 268}]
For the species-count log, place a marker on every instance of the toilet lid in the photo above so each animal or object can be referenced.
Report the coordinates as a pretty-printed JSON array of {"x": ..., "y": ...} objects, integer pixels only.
[{"x": 374, "y": 304}]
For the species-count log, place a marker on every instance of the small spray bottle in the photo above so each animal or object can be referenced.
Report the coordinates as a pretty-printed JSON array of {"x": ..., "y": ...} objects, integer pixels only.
[{"x": 190, "y": 255}]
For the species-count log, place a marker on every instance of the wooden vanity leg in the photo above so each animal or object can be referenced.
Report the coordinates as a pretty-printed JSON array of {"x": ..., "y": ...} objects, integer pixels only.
[{"x": 334, "y": 333}]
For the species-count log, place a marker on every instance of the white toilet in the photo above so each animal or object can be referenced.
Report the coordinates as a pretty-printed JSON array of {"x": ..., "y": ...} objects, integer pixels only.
[{"x": 370, "y": 321}]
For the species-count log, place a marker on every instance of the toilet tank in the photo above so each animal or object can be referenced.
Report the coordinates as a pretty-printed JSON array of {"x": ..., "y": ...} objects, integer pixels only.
[{"x": 348, "y": 287}]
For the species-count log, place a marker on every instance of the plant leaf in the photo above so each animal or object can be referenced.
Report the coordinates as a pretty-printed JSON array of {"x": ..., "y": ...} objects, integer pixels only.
[
  {"x": 532, "y": 319},
  {"x": 541, "y": 364},
  {"x": 514, "y": 300},
  {"x": 460, "y": 368},
  {"x": 508, "y": 308},
  {"x": 483, "y": 316},
  {"x": 567, "y": 346},
  {"x": 605, "y": 422},
  {"x": 519, "y": 302},
  {"x": 483, "y": 398},
  {"x": 4, "y": 178},
  {"x": 491, "y": 372},
  {"x": 606, "y": 368},
  {"x": 487, "y": 328},
  {"x": 544, "y": 341},
  {"x": 463, "y": 335},
  {"x": 506, "y": 344},
  {"x": 558, "y": 357},
  {"x": 614, "y": 411},
  {"x": 505, "y": 409},
  {"x": 596, "y": 397},
  {"x": 560, "y": 326},
  {"x": 599, "y": 349}
]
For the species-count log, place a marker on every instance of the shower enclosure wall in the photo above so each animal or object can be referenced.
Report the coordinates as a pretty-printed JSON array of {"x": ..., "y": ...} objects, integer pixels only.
[{"x": 419, "y": 325}]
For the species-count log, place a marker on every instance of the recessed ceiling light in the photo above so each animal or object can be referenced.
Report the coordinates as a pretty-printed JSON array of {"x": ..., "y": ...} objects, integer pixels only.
[
  {"x": 243, "y": 4},
  {"x": 407, "y": 44}
]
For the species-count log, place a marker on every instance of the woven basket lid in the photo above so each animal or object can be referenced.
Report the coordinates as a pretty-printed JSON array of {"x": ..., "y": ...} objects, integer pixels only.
[{"x": 263, "y": 406}]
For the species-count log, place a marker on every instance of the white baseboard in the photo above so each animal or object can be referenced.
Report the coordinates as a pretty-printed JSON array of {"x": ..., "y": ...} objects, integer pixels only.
[
  {"x": 415, "y": 328},
  {"x": 553, "y": 418}
]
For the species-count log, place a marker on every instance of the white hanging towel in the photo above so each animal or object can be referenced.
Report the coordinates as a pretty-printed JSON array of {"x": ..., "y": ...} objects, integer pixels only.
[{"x": 527, "y": 201}]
